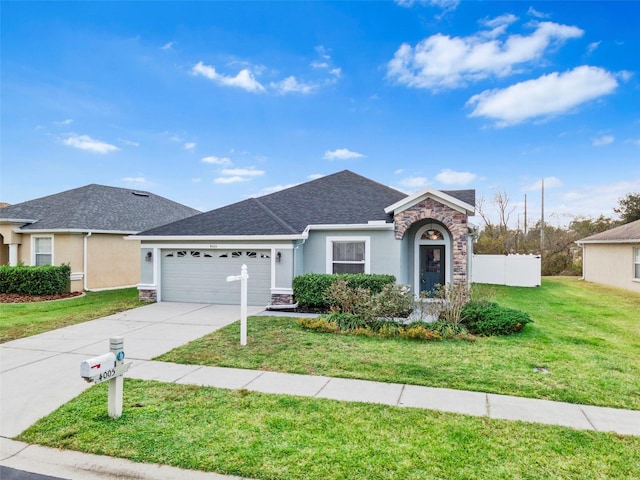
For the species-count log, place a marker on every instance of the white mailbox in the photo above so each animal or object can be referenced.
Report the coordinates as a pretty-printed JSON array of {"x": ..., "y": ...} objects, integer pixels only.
[{"x": 102, "y": 368}]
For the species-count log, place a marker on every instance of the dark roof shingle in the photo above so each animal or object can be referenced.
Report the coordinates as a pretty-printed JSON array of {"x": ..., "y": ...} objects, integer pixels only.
[
  {"x": 337, "y": 199},
  {"x": 98, "y": 207}
]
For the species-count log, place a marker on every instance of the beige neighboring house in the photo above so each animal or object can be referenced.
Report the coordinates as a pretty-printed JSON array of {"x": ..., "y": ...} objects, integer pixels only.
[
  {"x": 85, "y": 227},
  {"x": 613, "y": 257}
]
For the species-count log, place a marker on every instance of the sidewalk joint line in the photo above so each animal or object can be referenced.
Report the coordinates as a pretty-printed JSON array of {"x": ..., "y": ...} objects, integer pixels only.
[
  {"x": 400, "y": 396},
  {"x": 323, "y": 386},
  {"x": 488, "y": 405},
  {"x": 588, "y": 419},
  {"x": 253, "y": 380}
]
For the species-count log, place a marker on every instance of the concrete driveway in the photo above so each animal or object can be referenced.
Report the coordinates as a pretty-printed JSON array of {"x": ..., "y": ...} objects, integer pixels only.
[{"x": 40, "y": 373}]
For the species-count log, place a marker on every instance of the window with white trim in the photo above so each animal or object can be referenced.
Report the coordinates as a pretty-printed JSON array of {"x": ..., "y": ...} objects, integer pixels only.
[
  {"x": 636, "y": 264},
  {"x": 347, "y": 255},
  {"x": 42, "y": 251}
]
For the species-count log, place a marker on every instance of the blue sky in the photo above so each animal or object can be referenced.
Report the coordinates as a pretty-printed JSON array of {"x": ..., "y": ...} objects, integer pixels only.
[{"x": 208, "y": 103}]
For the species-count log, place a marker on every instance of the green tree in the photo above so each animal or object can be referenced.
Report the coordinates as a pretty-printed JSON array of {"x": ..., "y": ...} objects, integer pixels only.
[{"x": 629, "y": 208}]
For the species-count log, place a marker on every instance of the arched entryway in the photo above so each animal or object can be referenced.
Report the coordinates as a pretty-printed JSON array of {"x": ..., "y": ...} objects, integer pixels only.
[{"x": 432, "y": 258}]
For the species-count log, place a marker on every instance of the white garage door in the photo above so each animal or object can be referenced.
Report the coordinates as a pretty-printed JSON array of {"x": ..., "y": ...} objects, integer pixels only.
[{"x": 200, "y": 276}]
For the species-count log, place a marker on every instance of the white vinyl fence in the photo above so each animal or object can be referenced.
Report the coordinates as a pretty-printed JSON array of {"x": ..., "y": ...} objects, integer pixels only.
[{"x": 512, "y": 270}]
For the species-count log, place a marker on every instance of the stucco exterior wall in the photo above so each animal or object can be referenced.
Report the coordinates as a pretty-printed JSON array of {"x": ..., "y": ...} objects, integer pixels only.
[
  {"x": 112, "y": 261},
  {"x": 611, "y": 264},
  {"x": 385, "y": 250}
]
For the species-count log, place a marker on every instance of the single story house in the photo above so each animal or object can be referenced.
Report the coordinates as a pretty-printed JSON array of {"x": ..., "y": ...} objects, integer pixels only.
[
  {"x": 86, "y": 228},
  {"x": 612, "y": 257},
  {"x": 340, "y": 223}
]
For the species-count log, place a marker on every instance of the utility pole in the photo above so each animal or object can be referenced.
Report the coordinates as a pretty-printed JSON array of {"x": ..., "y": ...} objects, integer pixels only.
[
  {"x": 525, "y": 215},
  {"x": 542, "y": 221}
]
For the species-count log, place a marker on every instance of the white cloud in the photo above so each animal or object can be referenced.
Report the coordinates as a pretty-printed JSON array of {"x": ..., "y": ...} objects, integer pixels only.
[
  {"x": 549, "y": 182},
  {"x": 66, "y": 121},
  {"x": 85, "y": 142},
  {"x": 595, "y": 200},
  {"x": 244, "y": 79},
  {"x": 603, "y": 140},
  {"x": 217, "y": 160},
  {"x": 136, "y": 181},
  {"x": 444, "y": 4},
  {"x": 414, "y": 182},
  {"x": 196, "y": 180},
  {"x": 635, "y": 141},
  {"x": 336, "y": 72},
  {"x": 130, "y": 143},
  {"x": 341, "y": 154},
  {"x": 167, "y": 46},
  {"x": 315, "y": 176},
  {"x": 190, "y": 145},
  {"x": 549, "y": 95},
  {"x": 535, "y": 13},
  {"x": 443, "y": 62},
  {"x": 592, "y": 47},
  {"x": 451, "y": 177},
  {"x": 291, "y": 85},
  {"x": 235, "y": 179},
  {"x": 273, "y": 189},
  {"x": 317, "y": 64},
  {"x": 399, "y": 171},
  {"x": 243, "y": 172}
]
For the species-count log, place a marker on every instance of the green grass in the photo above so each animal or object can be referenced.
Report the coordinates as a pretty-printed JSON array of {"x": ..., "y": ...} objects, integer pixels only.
[
  {"x": 587, "y": 336},
  {"x": 26, "y": 319},
  {"x": 281, "y": 437}
]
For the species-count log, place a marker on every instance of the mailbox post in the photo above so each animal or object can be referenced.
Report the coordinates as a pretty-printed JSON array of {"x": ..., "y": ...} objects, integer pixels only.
[
  {"x": 243, "y": 301},
  {"x": 109, "y": 366}
]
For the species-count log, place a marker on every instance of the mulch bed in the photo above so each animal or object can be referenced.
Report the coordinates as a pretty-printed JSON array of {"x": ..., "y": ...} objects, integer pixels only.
[{"x": 21, "y": 298}]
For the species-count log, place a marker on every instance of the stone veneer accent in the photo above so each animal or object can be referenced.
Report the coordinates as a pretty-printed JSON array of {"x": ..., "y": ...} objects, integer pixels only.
[
  {"x": 282, "y": 299},
  {"x": 150, "y": 296},
  {"x": 454, "y": 220}
]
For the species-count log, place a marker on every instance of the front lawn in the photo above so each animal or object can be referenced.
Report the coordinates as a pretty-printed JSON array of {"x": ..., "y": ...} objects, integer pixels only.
[
  {"x": 264, "y": 436},
  {"x": 587, "y": 337},
  {"x": 26, "y": 319}
]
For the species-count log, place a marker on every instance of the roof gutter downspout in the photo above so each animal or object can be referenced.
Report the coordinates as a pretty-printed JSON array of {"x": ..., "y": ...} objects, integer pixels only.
[
  {"x": 84, "y": 261},
  {"x": 584, "y": 260}
]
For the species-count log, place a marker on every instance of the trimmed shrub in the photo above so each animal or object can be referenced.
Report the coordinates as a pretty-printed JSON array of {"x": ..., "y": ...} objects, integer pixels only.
[
  {"x": 44, "y": 280},
  {"x": 310, "y": 289},
  {"x": 489, "y": 318}
]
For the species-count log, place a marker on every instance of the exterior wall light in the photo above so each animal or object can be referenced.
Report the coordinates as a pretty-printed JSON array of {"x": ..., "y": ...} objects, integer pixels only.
[
  {"x": 148, "y": 256},
  {"x": 278, "y": 257}
]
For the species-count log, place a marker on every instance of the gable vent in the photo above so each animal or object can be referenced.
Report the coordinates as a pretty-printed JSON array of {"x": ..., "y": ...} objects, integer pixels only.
[{"x": 141, "y": 194}]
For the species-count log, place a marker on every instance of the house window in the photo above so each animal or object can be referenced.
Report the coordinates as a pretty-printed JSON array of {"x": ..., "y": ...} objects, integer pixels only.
[
  {"x": 636, "y": 264},
  {"x": 348, "y": 255},
  {"x": 42, "y": 251}
]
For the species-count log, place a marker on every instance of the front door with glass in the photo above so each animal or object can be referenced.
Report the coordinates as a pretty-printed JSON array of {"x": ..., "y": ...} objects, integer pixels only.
[{"x": 431, "y": 267}]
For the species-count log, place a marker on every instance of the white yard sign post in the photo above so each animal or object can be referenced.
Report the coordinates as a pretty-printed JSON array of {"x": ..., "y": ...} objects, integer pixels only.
[
  {"x": 243, "y": 301},
  {"x": 110, "y": 367}
]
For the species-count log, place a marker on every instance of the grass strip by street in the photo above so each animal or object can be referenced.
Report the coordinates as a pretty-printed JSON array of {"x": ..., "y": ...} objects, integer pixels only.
[
  {"x": 587, "y": 337},
  {"x": 267, "y": 436},
  {"x": 19, "y": 320}
]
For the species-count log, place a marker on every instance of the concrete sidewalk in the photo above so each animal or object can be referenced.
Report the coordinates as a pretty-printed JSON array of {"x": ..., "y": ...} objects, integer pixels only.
[
  {"x": 40, "y": 373},
  {"x": 581, "y": 417}
]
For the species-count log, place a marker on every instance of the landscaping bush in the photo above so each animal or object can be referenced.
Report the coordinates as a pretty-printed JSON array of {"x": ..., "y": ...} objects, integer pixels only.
[
  {"x": 310, "y": 289},
  {"x": 489, "y": 318},
  {"x": 44, "y": 280}
]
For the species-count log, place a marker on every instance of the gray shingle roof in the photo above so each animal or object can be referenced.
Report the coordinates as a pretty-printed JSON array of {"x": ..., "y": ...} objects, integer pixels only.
[
  {"x": 98, "y": 207},
  {"x": 629, "y": 232},
  {"x": 340, "y": 198}
]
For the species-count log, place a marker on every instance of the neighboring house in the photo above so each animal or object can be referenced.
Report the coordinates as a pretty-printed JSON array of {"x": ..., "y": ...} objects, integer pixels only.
[
  {"x": 341, "y": 223},
  {"x": 86, "y": 228},
  {"x": 613, "y": 257}
]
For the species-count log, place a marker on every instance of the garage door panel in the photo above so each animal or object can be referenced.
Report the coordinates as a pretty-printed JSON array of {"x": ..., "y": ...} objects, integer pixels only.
[{"x": 201, "y": 276}]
